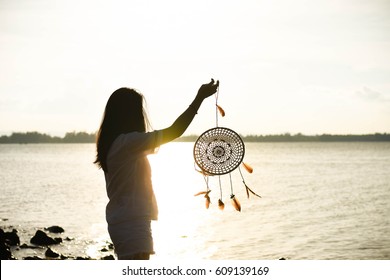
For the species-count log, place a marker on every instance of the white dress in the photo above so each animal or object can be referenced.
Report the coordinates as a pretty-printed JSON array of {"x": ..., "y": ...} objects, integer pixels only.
[{"x": 132, "y": 203}]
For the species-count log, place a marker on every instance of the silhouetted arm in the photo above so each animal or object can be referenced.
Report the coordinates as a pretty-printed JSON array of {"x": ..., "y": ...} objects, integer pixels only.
[{"x": 183, "y": 121}]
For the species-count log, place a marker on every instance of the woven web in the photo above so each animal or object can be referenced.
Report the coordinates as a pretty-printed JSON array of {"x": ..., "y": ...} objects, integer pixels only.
[{"x": 219, "y": 151}]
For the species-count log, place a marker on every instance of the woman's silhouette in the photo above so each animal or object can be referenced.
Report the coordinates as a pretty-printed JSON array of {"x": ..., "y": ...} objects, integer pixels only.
[{"x": 123, "y": 143}]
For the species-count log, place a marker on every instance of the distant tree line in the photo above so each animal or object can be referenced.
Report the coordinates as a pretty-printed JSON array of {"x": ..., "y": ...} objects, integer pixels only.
[
  {"x": 36, "y": 137},
  {"x": 84, "y": 137},
  {"x": 287, "y": 137}
]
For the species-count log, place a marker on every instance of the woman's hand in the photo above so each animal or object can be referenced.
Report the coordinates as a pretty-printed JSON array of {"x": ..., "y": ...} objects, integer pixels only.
[
  {"x": 184, "y": 120},
  {"x": 207, "y": 90}
]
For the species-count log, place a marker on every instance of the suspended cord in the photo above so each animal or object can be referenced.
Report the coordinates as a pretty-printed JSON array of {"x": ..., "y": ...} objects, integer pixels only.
[
  {"x": 206, "y": 179},
  {"x": 231, "y": 183},
  {"x": 242, "y": 177},
  {"x": 216, "y": 107},
  {"x": 220, "y": 186}
]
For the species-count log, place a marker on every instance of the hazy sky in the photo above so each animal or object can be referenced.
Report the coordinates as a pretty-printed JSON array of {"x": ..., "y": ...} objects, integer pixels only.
[{"x": 285, "y": 66}]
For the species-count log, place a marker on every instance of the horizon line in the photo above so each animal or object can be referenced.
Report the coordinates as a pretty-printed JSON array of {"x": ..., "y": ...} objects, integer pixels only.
[{"x": 197, "y": 134}]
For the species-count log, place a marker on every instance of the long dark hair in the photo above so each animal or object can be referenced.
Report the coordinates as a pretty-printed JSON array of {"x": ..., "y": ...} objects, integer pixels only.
[{"x": 125, "y": 112}]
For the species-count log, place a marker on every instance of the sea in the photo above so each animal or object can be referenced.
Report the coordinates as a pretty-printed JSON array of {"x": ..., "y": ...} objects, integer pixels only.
[{"x": 319, "y": 201}]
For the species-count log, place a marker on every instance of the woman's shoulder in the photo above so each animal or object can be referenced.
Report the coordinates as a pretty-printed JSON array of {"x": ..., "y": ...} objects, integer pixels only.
[
  {"x": 135, "y": 136},
  {"x": 137, "y": 140}
]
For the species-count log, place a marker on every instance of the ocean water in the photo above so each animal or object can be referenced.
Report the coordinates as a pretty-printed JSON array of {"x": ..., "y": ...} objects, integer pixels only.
[{"x": 319, "y": 201}]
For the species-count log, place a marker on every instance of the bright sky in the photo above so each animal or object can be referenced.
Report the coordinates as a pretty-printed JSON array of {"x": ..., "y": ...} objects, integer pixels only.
[{"x": 284, "y": 66}]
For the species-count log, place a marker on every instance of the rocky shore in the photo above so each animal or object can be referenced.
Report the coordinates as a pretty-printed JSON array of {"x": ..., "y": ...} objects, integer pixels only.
[{"x": 44, "y": 244}]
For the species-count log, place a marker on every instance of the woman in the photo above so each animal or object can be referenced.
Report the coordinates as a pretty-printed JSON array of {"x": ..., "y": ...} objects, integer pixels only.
[{"x": 122, "y": 146}]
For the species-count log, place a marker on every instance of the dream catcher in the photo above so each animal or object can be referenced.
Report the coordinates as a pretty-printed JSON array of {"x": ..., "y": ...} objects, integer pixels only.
[{"x": 219, "y": 151}]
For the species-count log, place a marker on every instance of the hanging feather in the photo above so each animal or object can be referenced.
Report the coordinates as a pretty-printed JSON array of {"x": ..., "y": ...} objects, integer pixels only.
[
  {"x": 247, "y": 167},
  {"x": 207, "y": 203},
  {"x": 220, "y": 110},
  {"x": 248, "y": 190},
  {"x": 221, "y": 205},
  {"x": 235, "y": 203},
  {"x": 206, "y": 196},
  {"x": 203, "y": 192}
]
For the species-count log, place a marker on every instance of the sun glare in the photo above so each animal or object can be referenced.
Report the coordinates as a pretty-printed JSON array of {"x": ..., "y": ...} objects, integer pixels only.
[{"x": 181, "y": 215}]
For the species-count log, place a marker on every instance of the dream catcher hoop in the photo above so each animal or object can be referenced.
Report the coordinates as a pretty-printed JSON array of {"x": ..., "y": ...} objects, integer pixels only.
[{"x": 219, "y": 151}]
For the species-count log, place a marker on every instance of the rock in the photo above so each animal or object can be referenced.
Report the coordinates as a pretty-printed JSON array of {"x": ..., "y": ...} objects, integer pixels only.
[
  {"x": 2, "y": 236},
  {"x": 58, "y": 239},
  {"x": 83, "y": 258},
  {"x": 12, "y": 238},
  {"x": 33, "y": 258},
  {"x": 25, "y": 246},
  {"x": 41, "y": 238},
  {"x": 109, "y": 257},
  {"x": 51, "y": 254},
  {"x": 55, "y": 229},
  {"x": 5, "y": 252}
]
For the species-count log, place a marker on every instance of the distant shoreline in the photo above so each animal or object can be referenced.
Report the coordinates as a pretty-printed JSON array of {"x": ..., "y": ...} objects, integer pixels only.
[{"x": 84, "y": 137}]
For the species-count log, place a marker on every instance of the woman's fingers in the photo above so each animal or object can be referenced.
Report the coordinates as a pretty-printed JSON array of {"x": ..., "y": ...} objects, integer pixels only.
[
  {"x": 214, "y": 84},
  {"x": 208, "y": 89}
]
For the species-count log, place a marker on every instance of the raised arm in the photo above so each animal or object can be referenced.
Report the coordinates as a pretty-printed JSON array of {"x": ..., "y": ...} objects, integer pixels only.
[{"x": 183, "y": 121}]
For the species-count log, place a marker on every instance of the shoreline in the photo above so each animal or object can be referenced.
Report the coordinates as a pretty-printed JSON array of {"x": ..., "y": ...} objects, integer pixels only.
[{"x": 49, "y": 243}]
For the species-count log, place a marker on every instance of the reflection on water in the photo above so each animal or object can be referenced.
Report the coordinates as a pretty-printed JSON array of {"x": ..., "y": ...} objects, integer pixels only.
[{"x": 319, "y": 201}]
